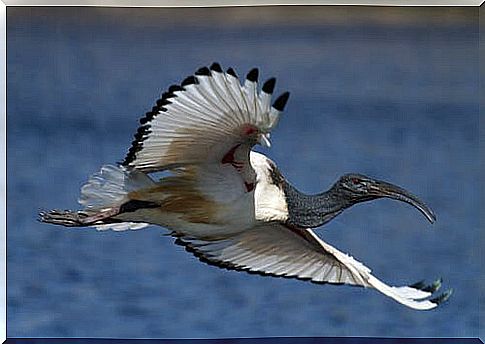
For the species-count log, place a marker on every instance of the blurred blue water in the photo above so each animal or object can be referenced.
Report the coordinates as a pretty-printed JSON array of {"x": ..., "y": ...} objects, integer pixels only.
[{"x": 397, "y": 102}]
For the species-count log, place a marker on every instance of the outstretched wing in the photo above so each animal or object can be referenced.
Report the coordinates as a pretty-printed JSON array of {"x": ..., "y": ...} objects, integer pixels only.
[
  {"x": 208, "y": 118},
  {"x": 275, "y": 250}
]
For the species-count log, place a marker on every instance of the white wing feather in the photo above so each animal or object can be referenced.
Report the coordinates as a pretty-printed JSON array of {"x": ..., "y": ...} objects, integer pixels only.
[
  {"x": 273, "y": 249},
  {"x": 203, "y": 119}
]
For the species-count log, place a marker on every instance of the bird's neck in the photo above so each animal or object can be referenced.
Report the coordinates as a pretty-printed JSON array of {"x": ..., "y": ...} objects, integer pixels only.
[{"x": 310, "y": 211}]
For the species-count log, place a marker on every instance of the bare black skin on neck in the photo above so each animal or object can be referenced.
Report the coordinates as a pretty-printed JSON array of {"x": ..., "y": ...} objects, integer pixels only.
[{"x": 310, "y": 211}]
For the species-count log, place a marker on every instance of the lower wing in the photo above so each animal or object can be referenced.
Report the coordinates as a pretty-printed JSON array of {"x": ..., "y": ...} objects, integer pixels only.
[{"x": 276, "y": 250}]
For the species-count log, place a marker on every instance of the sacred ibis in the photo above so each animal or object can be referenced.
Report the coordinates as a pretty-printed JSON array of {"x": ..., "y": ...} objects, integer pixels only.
[{"x": 228, "y": 205}]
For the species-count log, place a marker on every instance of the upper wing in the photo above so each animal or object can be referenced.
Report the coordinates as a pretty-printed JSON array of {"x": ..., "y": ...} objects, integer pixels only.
[
  {"x": 205, "y": 119},
  {"x": 273, "y": 249}
]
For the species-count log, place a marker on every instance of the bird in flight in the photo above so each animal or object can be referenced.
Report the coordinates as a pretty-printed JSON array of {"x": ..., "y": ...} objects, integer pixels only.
[{"x": 225, "y": 203}]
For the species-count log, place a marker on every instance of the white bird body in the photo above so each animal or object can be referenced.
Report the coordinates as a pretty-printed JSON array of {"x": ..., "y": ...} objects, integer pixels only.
[
  {"x": 225, "y": 203},
  {"x": 205, "y": 201}
]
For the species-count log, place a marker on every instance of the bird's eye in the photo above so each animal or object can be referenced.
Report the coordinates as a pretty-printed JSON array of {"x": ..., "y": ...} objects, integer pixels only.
[{"x": 357, "y": 185}]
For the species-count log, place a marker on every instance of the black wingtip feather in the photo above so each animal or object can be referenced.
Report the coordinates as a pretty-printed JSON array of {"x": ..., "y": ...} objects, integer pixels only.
[
  {"x": 253, "y": 75},
  {"x": 216, "y": 67},
  {"x": 190, "y": 80},
  {"x": 167, "y": 95},
  {"x": 433, "y": 286},
  {"x": 204, "y": 71},
  {"x": 162, "y": 102},
  {"x": 268, "y": 86},
  {"x": 418, "y": 285},
  {"x": 175, "y": 88},
  {"x": 139, "y": 137},
  {"x": 143, "y": 131},
  {"x": 280, "y": 102},
  {"x": 231, "y": 72},
  {"x": 430, "y": 288},
  {"x": 443, "y": 297}
]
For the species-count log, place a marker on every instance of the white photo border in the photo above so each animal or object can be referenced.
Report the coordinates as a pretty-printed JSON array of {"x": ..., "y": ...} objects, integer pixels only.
[{"x": 135, "y": 3}]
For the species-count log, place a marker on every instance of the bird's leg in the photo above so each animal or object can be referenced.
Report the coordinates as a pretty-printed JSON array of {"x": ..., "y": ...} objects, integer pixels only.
[
  {"x": 91, "y": 217},
  {"x": 71, "y": 218}
]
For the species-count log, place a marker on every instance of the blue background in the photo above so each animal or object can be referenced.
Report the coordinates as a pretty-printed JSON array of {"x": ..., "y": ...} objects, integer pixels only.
[{"x": 391, "y": 93}]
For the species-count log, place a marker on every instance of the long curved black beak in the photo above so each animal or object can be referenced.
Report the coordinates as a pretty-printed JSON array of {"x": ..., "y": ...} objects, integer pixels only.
[{"x": 384, "y": 189}]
